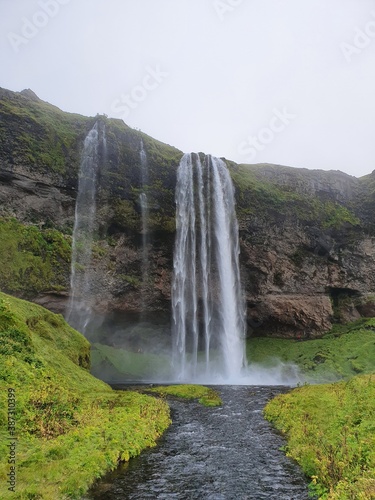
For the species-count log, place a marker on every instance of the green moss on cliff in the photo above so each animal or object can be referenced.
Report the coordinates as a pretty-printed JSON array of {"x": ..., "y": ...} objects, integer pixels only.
[
  {"x": 257, "y": 195},
  {"x": 40, "y": 136},
  {"x": 70, "y": 427},
  {"x": 32, "y": 260}
]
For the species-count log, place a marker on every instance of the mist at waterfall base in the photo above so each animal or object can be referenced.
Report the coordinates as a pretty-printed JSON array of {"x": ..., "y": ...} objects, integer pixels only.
[
  {"x": 204, "y": 339},
  {"x": 208, "y": 302}
]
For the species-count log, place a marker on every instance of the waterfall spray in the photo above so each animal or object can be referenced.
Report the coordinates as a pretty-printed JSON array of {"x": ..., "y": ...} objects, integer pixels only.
[
  {"x": 79, "y": 308},
  {"x": 143, "y": 201}
]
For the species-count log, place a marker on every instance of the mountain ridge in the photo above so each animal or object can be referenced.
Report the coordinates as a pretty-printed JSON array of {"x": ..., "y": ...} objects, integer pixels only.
[{"x": 307, "y": 234}]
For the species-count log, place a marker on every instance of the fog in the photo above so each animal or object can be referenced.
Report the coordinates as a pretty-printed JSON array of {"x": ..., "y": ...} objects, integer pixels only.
[{"x": 285, "y": 82}]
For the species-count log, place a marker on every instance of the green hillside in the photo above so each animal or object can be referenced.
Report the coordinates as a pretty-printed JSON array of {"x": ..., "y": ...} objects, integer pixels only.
[{"x": 69, "y": 427}]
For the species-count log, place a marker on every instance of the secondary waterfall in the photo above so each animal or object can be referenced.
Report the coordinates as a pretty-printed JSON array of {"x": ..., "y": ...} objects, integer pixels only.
[
  {"x": 79, "y": 308},
  {"x": 143, "y": 201},
  {"x": 207, "y": 300}
]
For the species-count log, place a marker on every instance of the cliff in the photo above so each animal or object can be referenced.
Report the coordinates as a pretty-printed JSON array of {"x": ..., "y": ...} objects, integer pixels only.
[{"x": 307, "y": 236}]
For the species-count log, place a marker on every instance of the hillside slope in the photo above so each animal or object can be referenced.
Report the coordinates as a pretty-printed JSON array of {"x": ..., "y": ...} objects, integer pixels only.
[{"x": 60, "y": 428}]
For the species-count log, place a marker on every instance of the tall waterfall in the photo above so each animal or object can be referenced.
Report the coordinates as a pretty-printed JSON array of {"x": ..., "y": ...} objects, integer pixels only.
[
  {"x": 79, "y": 308},
  {"x": 207, "y": 300},
  {"x": 143, "y": 201}
]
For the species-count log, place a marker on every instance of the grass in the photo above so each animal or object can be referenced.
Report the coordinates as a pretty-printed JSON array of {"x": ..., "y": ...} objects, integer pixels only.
[
  {"x": 71, "y": 428},
  {"x": 345, "y": 351},
  {"x": 257, "y": 194},
  {"x": 33, "y": 259},
  {"x": 331, "y": 434},
  {"x": 205, "y": 395},
  {"x": 41, "y": 135},
  {"x": 115, "y": 364}
]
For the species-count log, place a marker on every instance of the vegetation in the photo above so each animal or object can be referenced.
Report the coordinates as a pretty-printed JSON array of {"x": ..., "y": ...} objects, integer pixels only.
[
  {"x": 117, "y": 364},
  {"x": 42, "y": 139},
  {"x": 345, "y": 351},
  {"x": 70, "y": 427},
  {"x": 258, "y": 195},
  {"x": 205, "y": 395},
  {"x": 331, "y": 434},
  {"x": 330, "y": 428},
  {"x": 33, "y": 259},
  {"x": 39, "y": 135}
]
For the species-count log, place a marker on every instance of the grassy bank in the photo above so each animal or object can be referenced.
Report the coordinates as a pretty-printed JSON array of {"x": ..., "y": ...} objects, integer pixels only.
[
  {"x": 70, "y": 427},
  {"x": 204, "y": 395},
  {"x": 116, "y": 364},
  {"x": 345, "y": 351},
  {"x": 331, "y": 433}
]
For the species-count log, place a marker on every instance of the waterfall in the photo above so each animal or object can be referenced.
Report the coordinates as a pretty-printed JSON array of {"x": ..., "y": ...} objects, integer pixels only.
[
  {"x": 208, "y": 306},
  {"x": 143, "y": 201},
  {"x": 79, "y": 308}
]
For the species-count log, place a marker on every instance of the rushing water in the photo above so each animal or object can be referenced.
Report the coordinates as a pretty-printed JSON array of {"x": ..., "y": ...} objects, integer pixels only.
[
  {"x": 143, "y": 201},
  {"x": 207, "y": 299},
  {"x": 223, "y": 453},
  {"x": 78, "y": 312}
]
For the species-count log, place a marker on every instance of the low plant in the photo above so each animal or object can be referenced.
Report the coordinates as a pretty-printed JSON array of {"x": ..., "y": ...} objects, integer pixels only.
[
  {"x": 331, "y": 434},
  {"x": 205, "y": 395}
]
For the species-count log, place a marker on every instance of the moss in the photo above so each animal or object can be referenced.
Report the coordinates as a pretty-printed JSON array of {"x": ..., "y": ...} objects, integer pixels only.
[
  {"x": 255, "y": 194},
  {"x": 118, "y": 364},
  {"x": 125, "y": 216},
  {"x": 33, "y": 260},
  {"x": 343, "y": 352},
  {"x": 40, "y": 135},
  {"x": 205, "y": 395},
  {"x": 70, "y": 427},
  {"x": 131, "y": 280}
]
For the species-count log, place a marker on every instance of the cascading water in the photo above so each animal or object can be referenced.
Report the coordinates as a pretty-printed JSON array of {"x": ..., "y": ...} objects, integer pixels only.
[
  {"x": 143, "y": 201},
  {"x": 207, "y": 300},
  {"x": 79, "y": 308}
]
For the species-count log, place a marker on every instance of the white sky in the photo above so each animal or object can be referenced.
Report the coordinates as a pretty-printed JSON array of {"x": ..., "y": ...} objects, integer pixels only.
[{"x": 225, "y": 70}]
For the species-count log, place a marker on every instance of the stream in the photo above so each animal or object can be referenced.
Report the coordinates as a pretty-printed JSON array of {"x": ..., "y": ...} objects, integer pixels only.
[{"x": 222, "y": 453}]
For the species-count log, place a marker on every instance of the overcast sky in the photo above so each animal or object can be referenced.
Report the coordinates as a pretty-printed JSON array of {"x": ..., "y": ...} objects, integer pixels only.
[{"x": 290, "y": 82}]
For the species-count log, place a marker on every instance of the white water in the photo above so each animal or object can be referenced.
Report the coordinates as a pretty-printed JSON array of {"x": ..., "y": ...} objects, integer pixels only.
[
  {"x": 207, "y": 299},
  {"x": 143, "y": 201},
  {"x": 79, "y": 308}
]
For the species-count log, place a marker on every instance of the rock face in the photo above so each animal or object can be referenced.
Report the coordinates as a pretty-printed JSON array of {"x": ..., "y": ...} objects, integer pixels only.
[{"x": 307, "y": 237}]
